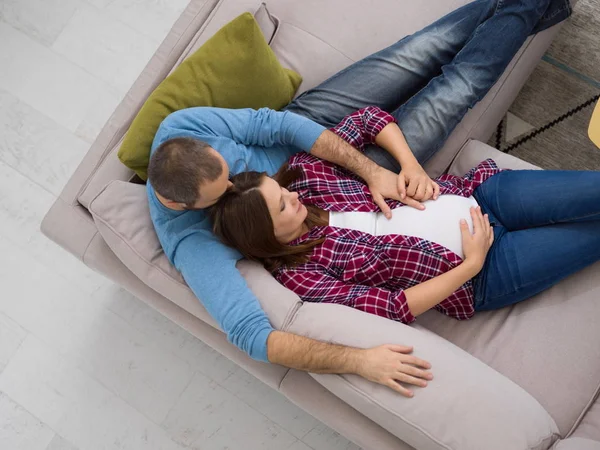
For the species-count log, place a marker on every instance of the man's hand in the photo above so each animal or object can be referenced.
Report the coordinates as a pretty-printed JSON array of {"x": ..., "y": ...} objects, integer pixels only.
[
  {"x": 384, "y": 184},
  {"x": 386, "y": 364},
  {"x": 414, "y": 182},
  {"x": 390, "y": 364}
]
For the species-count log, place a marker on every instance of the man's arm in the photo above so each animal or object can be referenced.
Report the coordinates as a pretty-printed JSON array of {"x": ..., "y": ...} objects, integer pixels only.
[
  {"x": 382, "y": 182},
  {"x": 386, "y": 364},
  {"x": 206, "y": 263}
]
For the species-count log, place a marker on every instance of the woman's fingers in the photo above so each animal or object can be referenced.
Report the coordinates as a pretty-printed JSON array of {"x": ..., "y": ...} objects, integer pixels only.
[
  {"x": 436, "y": 190},
  {"x": 476, "y": 222}
]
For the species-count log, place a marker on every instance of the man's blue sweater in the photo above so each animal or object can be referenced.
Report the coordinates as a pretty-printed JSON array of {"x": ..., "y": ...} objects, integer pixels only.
[{"x": 248, "y": 139}]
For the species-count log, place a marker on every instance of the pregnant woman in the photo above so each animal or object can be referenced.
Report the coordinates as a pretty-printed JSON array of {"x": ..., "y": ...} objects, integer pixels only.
[{"x": 489, "y": 239}]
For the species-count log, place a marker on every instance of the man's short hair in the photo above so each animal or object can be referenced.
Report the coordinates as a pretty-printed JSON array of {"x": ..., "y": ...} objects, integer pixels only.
[{"x": 180, "y": 166}]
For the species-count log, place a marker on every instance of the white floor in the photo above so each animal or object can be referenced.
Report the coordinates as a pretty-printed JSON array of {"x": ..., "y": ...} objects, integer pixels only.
[{"x": 83, "y": 364}]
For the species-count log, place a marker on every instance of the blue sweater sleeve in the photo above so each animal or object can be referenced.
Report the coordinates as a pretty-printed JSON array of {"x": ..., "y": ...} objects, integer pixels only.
[
  {"x": 263, "y": 127},
  {"x": 208, "y": 268}
]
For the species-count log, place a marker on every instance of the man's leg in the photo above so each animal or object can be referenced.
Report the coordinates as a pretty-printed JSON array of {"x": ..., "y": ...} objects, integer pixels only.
[
  {"x": 429, "y": 117},
  {"x": 391, "y": 76}
]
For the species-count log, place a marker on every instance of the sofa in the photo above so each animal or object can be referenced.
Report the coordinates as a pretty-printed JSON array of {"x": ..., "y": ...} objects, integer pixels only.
[{"x": 524, "y": 377}]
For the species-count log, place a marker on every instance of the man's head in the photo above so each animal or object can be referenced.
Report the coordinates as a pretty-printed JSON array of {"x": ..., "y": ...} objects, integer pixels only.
[{"x": 187, "y": 173}]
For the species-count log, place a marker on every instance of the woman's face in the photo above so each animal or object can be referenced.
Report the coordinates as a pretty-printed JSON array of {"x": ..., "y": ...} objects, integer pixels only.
[{"x": 286, "y": 211}]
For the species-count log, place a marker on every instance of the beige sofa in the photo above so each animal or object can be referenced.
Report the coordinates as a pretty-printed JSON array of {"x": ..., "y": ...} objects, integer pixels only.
[{"x": 525, "y": 377}]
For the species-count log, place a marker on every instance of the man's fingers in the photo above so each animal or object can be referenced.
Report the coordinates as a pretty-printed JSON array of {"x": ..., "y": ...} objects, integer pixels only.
[
  {"x": 398, "y": 388},
  {"x": 400, "y": 348},
  {"x": 410, "y": 370},
  {"x": 404, "y": 378},
  {"x": 380, "y": 201},
  {"x": 413, "y": 360},
  {"x": 414, "y": 203}
]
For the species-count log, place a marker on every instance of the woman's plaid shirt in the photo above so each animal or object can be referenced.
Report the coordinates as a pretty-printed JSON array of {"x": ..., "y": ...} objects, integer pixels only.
[{"x": 357, "y": 269}]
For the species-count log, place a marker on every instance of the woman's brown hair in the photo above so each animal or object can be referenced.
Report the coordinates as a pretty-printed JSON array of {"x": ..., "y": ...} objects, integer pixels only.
[{"x": 241, "y": 219}]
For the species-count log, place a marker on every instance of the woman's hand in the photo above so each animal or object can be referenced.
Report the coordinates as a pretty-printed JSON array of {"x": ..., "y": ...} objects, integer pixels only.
[
  {"x": 414, "y": 182},
  {"x": 390, "y": 364},
  {"x": 477, "y": 245}
]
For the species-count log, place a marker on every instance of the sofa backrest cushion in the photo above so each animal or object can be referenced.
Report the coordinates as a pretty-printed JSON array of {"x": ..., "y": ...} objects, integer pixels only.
[{"x": 122, "y": 216}]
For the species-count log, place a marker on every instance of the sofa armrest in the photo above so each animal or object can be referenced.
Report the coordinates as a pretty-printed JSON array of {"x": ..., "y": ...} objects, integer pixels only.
[{"x": 467, "y": 405}]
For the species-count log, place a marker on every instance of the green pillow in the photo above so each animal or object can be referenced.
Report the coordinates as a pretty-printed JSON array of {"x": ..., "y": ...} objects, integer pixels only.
[{"x": 235, "y": 68}]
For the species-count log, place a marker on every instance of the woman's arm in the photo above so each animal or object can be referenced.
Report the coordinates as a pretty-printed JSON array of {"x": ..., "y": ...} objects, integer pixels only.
[
  {"x": 426, "y": 295},
  {"x": 412, "y": 180},
  {"x": 476, "y": 245}
]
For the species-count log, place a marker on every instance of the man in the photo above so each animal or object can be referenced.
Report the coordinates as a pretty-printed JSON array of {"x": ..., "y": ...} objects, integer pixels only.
[{"x": 428, "y": 81}]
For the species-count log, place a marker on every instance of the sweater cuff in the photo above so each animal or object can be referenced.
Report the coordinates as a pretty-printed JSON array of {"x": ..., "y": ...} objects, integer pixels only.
[
  {"x": 307, "y": 135},
  {"x": 259, "y": 346}
]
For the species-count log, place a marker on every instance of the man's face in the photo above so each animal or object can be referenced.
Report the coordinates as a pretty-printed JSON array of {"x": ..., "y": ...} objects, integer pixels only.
[{"x": 211, "y": 191}]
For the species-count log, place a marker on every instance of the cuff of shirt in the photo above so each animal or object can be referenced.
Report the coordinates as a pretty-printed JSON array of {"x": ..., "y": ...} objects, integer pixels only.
[
  {"x": 307, "y": 134},
  {"x": 403, "y": 311},
  {"x": 259, "y": 346}
]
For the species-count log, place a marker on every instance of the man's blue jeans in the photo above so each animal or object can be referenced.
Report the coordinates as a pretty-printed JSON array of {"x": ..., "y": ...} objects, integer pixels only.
[
  {"x": 430, "y": 79},
  {"x": 546, "y": 227}
]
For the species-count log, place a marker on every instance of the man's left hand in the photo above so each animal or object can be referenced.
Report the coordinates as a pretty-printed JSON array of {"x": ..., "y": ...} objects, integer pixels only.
[{"x": 414, "y": 182}]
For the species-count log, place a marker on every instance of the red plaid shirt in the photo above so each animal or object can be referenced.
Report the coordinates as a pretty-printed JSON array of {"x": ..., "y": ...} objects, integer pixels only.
[{"x": 357, "y": 269}]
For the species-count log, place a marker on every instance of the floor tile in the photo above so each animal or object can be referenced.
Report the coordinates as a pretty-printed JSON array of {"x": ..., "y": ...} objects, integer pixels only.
[
  {"x": 36, "y": 146},
  {"x": 23, "y": 205},
  {"x": 324, "y": 438},
  {"x": 11, "y": 337},
  {"x": 147, "y": 377},
  {"x": 299, "y": 445},
  {"x": 60, "y": 443},
  {"x": 48, "y": 82},
  {"x": 270, "y": 403},
  {"x": 75, "y": 405},
  {"x": 105, "y": 47},
  {"x": 208, "y": 417},
  {"x": 19, "y": 430},
  {"x": 98, "y": 114},
  {"x": 43, "y": 20},
  {"x": 166, "y": 334},
  {"x": 153, "y": 18}
]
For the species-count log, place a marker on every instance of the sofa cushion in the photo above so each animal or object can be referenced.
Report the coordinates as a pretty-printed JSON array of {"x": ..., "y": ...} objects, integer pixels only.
[
  {"x": 122, "y": 216},
  {"x": 536, "y": 343},
  {"x": 235, "y": 68},
  {"x": 466, "y": 406},
  {"x": 308, "y": 55},
  {"x": 577, "y": 444}
]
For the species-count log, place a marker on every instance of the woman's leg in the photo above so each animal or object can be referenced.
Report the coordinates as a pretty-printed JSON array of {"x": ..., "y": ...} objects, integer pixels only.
[
  {"x": 526, "y": 262},
  {"x": 546, "y": 227},
  {"x": 521, "y": 199}
]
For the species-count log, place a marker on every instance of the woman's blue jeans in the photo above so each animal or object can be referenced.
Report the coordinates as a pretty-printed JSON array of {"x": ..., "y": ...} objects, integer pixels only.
[
  {"x": 430, "y": 79},
  {"x": 546, "y": 227}
]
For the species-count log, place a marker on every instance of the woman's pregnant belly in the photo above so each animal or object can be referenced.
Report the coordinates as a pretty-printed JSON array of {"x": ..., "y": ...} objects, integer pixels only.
[{"x": 439, "y": 222}]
